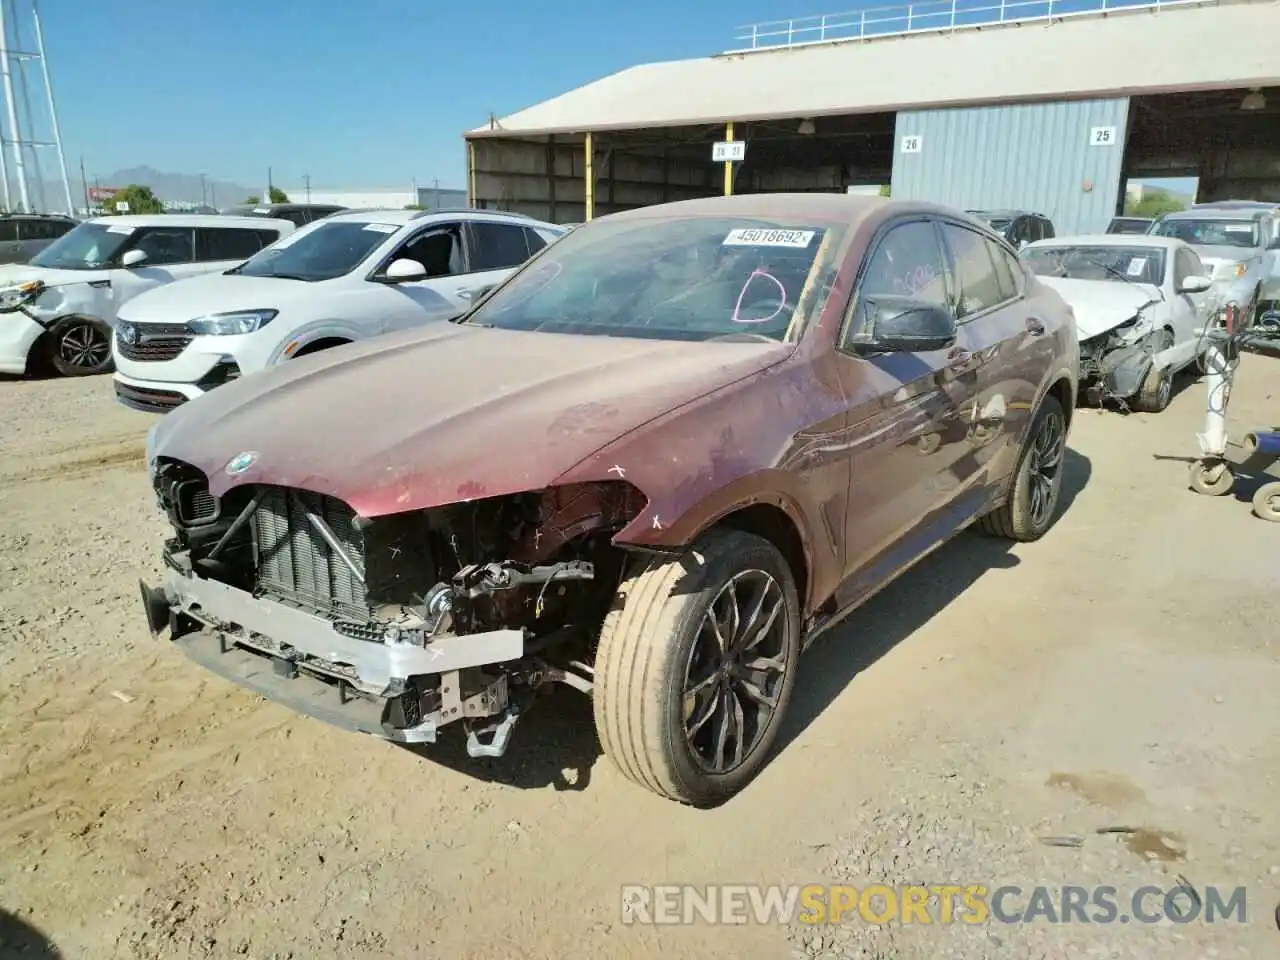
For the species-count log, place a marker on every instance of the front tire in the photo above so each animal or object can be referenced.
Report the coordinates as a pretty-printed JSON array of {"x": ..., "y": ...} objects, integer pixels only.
[
  {"x": 80, "y": 347},
  {"x": 1029, "y": 509},
  {"x": 1156, "y": 391},
  {"x": 1266, "y": 502},
  {"x": 696, "y": 666}
]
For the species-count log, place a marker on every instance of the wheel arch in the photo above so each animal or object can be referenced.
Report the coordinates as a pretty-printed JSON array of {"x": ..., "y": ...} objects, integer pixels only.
[
  {"x": 42, "y": 347},
  {"x": 771, "y": 521},
  {"x": 318, "y": 344}
]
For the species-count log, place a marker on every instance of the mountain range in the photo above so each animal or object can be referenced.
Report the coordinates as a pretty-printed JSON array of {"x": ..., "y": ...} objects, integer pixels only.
[{"x": 181, "y": 187}]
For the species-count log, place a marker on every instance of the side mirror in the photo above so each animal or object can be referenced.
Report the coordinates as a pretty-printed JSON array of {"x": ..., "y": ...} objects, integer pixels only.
[
  {"x": 1195, "y": 284},
  {"x": 405, "y": 271},
  {"x": 906, "y": 325},
  {"x": 133, "y": 257}
]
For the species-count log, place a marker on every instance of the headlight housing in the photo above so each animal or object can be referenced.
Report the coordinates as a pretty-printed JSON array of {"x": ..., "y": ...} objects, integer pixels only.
[
  {"x": 11, "y": 298},
  {"x": 231, "y": 324}
]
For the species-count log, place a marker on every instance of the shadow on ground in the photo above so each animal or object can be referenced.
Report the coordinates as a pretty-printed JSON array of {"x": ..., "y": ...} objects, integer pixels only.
[
  {"x": 901, "y": 608},
  {"x": 555, "y": 744},
  {"x": 19, "y": 939}
]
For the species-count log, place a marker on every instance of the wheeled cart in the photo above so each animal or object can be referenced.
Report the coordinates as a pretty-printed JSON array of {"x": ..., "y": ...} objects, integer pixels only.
[{"x": 1215, "y": 473}]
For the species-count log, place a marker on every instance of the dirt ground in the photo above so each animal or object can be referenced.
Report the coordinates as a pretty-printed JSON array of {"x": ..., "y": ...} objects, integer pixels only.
[{"x": 1123, "y": 671}]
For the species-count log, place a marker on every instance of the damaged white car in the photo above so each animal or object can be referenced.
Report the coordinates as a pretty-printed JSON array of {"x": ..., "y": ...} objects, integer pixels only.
[{"x": 1141, "y": 305}]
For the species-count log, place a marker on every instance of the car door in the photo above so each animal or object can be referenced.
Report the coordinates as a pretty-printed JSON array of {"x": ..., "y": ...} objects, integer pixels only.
[
  {"x": 221, "y": 248},
  {"x": 906, "y": 413},
  {"x": 495, "y": 249},
  {"x": 1188, "y": 312},
  {"x": 1006, "y": 347},
  {"x": 443, "y": 294},
  {"x": 171, "y": 255}
]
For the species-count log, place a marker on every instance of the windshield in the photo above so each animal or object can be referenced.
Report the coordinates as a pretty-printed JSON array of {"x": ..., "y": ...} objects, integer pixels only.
[
  {"x": 1211, "y": 233},
  {"x": 994, "y": 221},
  {"x": 90, "y": 246},
  {"x": 1119, "y": 264},
  {"x": 678, "y": 279},
  {"x": 326, "y": 250}
]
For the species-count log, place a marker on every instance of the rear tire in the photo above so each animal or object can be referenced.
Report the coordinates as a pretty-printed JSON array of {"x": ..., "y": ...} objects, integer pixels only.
[
  {"x": 80, "y": 347},
  {"x": 1211, "y": 478},
  {"x": 674, "y": 712},
  {"x": 1032, "y": 503}
]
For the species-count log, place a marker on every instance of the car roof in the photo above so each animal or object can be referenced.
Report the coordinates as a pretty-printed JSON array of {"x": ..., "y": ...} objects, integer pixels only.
[
  {"x": 190, "y": 220},
  {"x": 406, "y": 217},
  {"x": 1125, "y": 216},
  {"x": 1236, "y": 205},
  {"x": 35, "y": 216},
  {"x": 286, "y": 206},
  {"x": 1110, "y": 240},
  {"x": 1004, "y": 213}
]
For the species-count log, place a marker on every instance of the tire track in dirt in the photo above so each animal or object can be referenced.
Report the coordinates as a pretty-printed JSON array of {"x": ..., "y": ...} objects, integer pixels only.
[{"x": 130, "y": 453}]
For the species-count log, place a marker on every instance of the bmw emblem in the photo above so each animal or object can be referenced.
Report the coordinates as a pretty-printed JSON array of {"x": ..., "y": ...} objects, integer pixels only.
[{"x": 241, "y": 462}]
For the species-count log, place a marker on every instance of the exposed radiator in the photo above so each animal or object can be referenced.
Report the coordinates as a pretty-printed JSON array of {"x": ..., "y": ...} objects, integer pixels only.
[{"x": 295, "y": 562}]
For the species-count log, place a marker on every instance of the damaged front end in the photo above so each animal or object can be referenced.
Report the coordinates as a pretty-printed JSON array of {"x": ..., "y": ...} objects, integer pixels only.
[
  {"x": 396, "y": 625},
  {"x": 1115, "y": 364}
]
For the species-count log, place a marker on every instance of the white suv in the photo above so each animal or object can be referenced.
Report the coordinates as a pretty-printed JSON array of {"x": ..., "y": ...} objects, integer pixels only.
[
  {"x": 347, "y": 277},
  {"x": 62, "y": 304}
]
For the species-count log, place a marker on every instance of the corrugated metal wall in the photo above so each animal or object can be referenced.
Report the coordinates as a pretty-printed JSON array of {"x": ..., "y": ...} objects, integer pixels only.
[{"x": 1036, "y": 156}]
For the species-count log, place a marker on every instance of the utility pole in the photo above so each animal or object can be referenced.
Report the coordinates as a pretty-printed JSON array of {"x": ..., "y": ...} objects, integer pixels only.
[
  {"x": 306, "y": 181},
  {"x": 204, "y": 197},
  {"x": 267, "y": 198},
  {"x": 437, "y": 193},
  {"x": 84, "y": 182},
  {"x": 15, "y": 132}
]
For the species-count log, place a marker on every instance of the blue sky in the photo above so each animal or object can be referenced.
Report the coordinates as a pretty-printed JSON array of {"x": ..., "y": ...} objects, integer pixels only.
[
  {"x": 363, "y": 94},
  {"x": 358, "y": 95}
]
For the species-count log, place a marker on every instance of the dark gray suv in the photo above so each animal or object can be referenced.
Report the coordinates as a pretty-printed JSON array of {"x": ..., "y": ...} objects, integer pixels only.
[
  {"x": 1019, "y": 227},
  {"x": 23, "y": 235}
]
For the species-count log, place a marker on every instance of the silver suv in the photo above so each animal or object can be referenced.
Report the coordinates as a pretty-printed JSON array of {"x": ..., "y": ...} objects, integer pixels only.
[{"x": 1237, "y": 244}]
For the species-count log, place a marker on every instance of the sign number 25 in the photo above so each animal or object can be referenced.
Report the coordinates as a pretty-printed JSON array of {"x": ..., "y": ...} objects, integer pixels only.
[{"x": 1102, "y": 136}]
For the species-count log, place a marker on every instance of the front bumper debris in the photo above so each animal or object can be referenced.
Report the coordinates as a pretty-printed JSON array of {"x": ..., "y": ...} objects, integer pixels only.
[{"x": 398, "y": 691}]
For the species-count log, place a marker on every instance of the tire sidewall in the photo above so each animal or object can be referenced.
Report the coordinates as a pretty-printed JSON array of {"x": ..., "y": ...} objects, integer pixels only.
[
  {"x": 722, "y": 560},
  {"x": 59, "y": 330},
  {"x": 1049, "y": 406}
]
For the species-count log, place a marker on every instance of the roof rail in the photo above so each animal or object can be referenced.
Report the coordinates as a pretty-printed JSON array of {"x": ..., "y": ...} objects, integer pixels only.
[{"x": 501, "y": 213}]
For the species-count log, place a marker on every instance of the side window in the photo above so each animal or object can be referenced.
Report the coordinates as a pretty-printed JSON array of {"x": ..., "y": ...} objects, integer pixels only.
[
  {"x": 166, "y": 245},
  {"x": 1046, "y": 228},
  {"x": 267, "y": 237},
  {"x": 534, "y": 239},
  {"x": 227, "y": 244},
  {"x": 907, "y": 262},
  {"x": 977, "y": 286},
  {"x": 1185, "y": 264},
  {"x": 438, "y": 248},
  {"x": 38, "y": 230},
  {"x": 8, "y": 230},
  {"x": 497, "y": 246},
  {"x": 297, "y": 217},
  {"x": 1008, "y": 271}
]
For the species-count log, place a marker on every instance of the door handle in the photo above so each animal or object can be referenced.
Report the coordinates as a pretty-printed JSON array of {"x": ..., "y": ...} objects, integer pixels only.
[
  {"x": 958, "y": 357},
  {"x": 1035, "y": 327}
]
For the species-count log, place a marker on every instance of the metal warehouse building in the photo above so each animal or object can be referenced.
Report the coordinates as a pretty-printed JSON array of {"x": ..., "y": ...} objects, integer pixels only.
[{"x": 1052, "y": 112}]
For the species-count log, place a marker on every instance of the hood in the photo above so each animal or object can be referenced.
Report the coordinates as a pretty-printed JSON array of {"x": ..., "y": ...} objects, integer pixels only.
[
  {"x": 212, "y": 293},
  {"x": 1214, "y": 257},
  {"x": 1102, "y": 305},
  {"x": 445, "y": 412},
  {"x": 13, "y": 274}
]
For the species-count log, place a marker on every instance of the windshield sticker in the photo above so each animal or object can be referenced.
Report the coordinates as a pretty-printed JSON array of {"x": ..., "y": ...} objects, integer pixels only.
[
  {"x": 1238, "y": 228},
  {"x": 261, "y": 209},
  {"x": 799, "y": 239},
  {"x": 1136, "y": 266},
  {"x": 381, "y": 227},
  {"x": 120, "y": 229}
]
